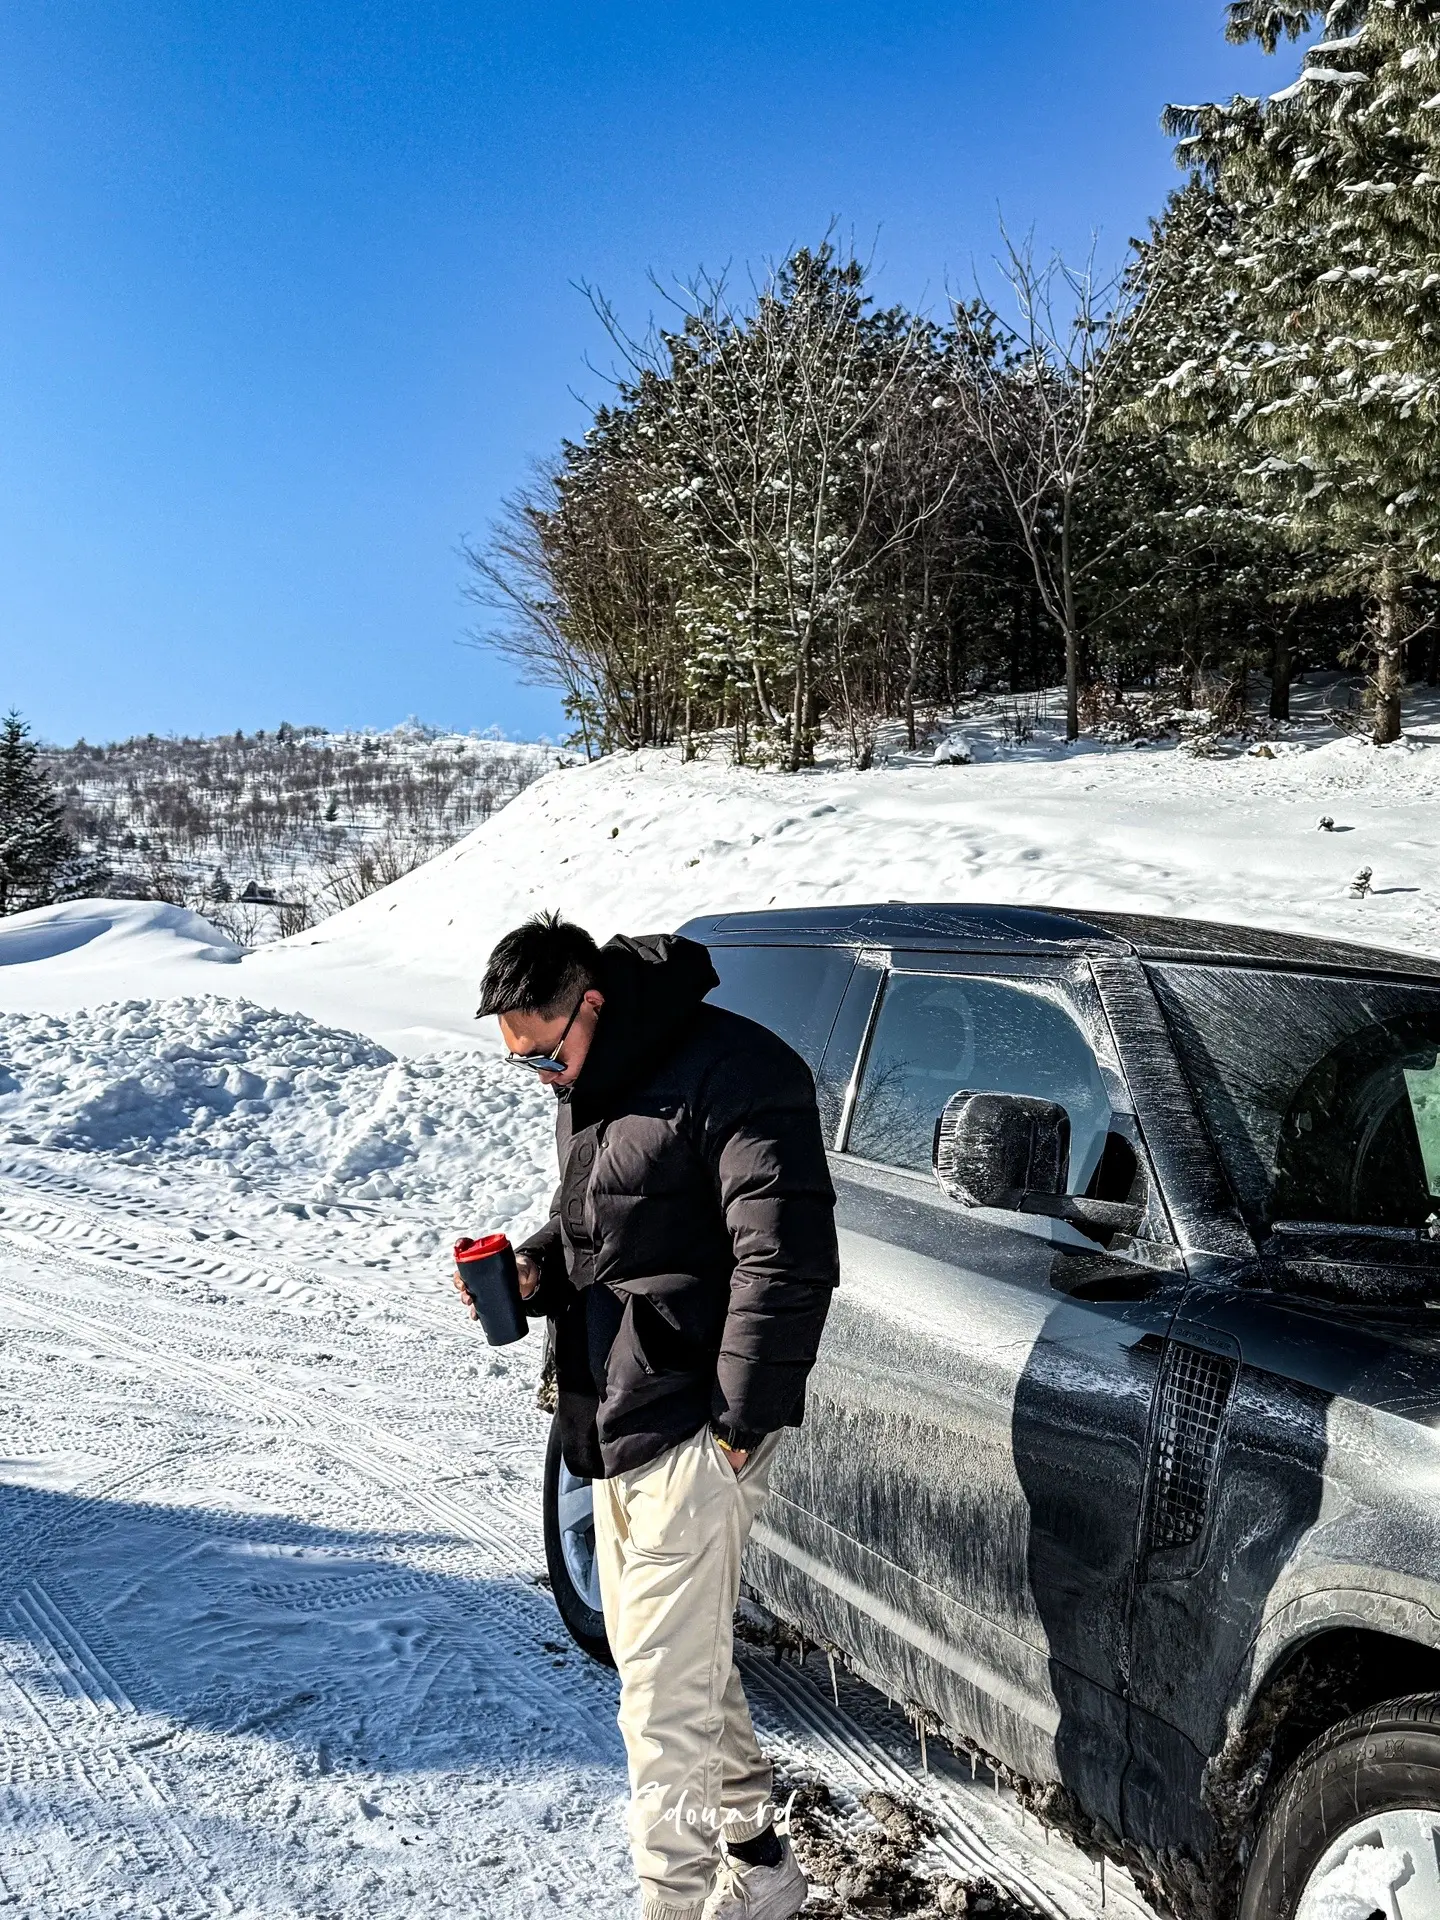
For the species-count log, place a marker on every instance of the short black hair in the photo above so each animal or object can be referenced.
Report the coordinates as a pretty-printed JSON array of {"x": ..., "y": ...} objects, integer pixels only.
[{"x": 542, "y": 967}]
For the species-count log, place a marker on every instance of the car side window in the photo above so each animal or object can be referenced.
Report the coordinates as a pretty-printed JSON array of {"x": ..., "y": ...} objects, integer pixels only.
[
  {"x": 941, "y": 1034},
  {"x": 794, "y": 991},
  {"x": 1422, "y": 1083}
]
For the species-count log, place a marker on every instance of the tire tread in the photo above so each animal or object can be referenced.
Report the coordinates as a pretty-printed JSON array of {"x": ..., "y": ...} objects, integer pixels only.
[{"x": 1300, "y": 1793}]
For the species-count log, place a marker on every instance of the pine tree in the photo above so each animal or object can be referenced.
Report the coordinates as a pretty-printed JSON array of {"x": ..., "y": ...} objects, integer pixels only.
[
  {"x": 771, "y": 454},
  {"x": 1239, "y": 572},
  {"x": 34, "y": 845},
  {"x": 1323, "y": 395}
]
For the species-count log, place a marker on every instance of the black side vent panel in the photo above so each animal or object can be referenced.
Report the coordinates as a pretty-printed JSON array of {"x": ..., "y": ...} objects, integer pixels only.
[{"x": 1194, "y": 1397}]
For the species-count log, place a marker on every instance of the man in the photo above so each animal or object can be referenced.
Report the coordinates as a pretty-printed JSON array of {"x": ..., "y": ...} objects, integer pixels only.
[{"x": 687, "y": 1269}]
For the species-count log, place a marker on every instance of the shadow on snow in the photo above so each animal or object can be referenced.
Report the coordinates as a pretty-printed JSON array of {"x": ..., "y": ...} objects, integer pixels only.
[{"x": 366, "y": 1644}]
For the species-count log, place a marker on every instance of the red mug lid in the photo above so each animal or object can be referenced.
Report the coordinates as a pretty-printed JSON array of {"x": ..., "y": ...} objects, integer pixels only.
[{"x": 482, "y": 1248}]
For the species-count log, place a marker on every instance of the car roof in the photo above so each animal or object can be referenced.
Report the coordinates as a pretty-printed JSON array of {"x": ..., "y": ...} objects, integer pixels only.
[{"x": 1048, "y": 930}]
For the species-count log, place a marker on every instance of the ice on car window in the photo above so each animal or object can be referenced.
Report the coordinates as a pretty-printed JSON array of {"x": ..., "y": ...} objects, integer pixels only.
[
  {"x": 942, "y": 1034},
  {"x": 1321, "y": 1094},
  {"x": 795, "y": 991}
]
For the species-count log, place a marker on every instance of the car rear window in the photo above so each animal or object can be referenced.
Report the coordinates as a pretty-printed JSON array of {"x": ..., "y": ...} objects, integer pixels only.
[
  {"x": 795, "y": 991},
  {"x": 1322, "y": 1095}
]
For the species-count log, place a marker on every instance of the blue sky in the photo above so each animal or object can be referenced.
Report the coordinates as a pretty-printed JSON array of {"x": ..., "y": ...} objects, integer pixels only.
[{"x": 287, "y": 288}]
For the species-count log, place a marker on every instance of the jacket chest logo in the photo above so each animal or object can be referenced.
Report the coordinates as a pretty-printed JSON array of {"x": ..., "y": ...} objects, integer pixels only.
[{"x": 580, "y": 1161}]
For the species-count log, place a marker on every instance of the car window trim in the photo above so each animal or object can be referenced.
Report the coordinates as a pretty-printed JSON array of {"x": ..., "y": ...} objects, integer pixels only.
[{"x": 868, "y": 960}]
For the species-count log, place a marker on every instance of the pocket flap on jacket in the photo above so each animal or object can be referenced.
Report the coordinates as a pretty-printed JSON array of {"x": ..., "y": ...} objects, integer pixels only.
[{"x": 692, "y": 1305}]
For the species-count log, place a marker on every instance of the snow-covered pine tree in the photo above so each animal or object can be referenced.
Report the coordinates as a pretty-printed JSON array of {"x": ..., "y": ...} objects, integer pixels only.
[
  {"x": 34, "y": 845},
  {"x": 1323, "y": 396},
  {"x": 1234, "y": 556},
  {"x": 769, "y": 459}
]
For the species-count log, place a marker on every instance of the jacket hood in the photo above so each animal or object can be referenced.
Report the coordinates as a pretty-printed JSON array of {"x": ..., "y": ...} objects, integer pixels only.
[{"x": 653, "y": 986}]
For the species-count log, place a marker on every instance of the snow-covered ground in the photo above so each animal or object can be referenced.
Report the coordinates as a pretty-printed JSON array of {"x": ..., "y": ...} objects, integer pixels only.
[{"x": 272, "y": 1638}]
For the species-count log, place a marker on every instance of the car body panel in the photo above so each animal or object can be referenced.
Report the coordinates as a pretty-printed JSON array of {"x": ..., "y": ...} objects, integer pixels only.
[
  {"x": 967, "y": 1511},
  {"x": 966, "y": 1489}
]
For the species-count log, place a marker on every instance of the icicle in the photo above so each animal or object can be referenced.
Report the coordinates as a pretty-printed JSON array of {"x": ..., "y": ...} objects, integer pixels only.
[
  {"x": 834, "y": 1683},
  {"x": 972, "y": 1766},
  {"x": 924, "y": 1758}
]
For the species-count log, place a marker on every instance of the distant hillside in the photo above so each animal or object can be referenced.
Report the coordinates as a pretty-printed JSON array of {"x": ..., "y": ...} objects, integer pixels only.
[{"x": 265, "y": 833}]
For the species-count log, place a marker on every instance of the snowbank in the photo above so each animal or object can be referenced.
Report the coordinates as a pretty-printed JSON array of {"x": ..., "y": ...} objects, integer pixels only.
[
  {"x": 98, "y": 948},
  {"x": 643, "y": 842},
  {"x": 243, "y": 1100}
]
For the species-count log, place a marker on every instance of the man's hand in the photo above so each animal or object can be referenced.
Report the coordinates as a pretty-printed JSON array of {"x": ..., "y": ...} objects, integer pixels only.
[{"x": 526, "y": 1267}]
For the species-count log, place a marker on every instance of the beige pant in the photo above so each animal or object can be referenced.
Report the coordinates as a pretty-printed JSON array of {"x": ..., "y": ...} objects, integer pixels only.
[{"x": 668, "y": 1539}]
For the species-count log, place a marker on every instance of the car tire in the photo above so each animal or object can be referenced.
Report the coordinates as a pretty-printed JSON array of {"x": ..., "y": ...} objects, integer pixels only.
[
  {"x": 1352, "y": 1831},
  {"x": 569, "y": 1564}
]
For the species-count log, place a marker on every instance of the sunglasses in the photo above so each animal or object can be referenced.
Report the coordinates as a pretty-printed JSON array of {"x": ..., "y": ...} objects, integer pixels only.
[{"x": 549, "y": 1062}]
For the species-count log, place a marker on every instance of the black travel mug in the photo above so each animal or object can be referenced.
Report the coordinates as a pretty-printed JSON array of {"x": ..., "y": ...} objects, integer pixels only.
[{"x": 490, "y": 1276}]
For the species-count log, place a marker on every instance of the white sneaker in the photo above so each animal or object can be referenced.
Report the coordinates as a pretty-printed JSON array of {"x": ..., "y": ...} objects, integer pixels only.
[{"x": 759, "y": 1893}]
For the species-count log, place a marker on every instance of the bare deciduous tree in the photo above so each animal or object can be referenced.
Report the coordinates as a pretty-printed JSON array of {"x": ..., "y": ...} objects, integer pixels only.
[
  {"x": 577, "y": 566},
  {"x": 1040, "y": 408}
]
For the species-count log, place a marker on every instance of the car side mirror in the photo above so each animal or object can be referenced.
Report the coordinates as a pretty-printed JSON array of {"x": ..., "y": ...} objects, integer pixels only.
[{"x": 992, "y": 1149}]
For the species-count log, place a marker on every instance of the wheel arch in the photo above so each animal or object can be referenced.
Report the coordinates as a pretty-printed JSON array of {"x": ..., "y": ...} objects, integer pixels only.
[
  {"x": 1337, "y": 1665},
  {"x": 1315, "y": 1664},
  {"x": 1405, "y": 1610}
]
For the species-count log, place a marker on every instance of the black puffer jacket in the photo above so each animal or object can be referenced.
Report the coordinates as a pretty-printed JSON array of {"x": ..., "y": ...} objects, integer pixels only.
[{"x": 690, "y": 1257}]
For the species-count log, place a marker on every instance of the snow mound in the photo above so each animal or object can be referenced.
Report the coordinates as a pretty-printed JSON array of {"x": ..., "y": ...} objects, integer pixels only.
[
  {"x": 53, "y": 958},
  {"x": 47, "y": 933},
  {"x": 245, "y": 1099},
  {"x": 147, "y": 1073},
  {"x": 953, "y": 751}
]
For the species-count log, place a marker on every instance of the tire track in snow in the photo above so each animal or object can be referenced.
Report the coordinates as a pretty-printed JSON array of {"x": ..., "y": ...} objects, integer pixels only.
[
  {"x": 83, "y": 1744},
  {"x": 155, "y": 1251},
  {"x": 399, "y": 1466},
  {"x": 972, "y": 1838},
  {"x": 369, "y": 1450},
  {"x": 91, "y": 1494},
  {"x": 55, "y": 1203}
]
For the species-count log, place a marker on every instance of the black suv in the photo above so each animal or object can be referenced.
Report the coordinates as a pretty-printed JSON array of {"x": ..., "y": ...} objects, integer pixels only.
[{"x": 1122, "y": 1460}]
